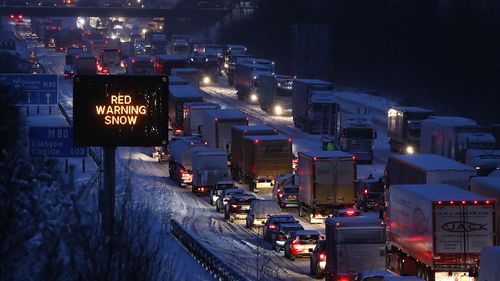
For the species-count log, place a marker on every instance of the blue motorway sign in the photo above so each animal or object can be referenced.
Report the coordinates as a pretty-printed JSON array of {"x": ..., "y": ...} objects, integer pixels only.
[
  {"x": 53, "y": 142},
  {"x": 35, "y": 89}
]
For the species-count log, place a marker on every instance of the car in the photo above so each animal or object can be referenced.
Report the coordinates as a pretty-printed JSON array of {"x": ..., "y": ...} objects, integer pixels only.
[
  {"x": 301, "y": 243},
  {"x": 224, "y": 198},
  {"x": 218, "y": 188},
  {"x": 260, "y": 210},
  {"x": 318, "y": 260},
  {"x": 273, "y": 222},
  {"x": 284, "y": 231},
  {"x": 288, "y": 196},
  {"x": 238, "y": 206},
  {"x": 69, "y": 71}
]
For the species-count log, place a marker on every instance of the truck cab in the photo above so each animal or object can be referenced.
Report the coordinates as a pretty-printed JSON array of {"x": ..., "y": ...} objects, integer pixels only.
[
  {"x": 403, "y": 128},
  {"x": 357, "y": 136}
]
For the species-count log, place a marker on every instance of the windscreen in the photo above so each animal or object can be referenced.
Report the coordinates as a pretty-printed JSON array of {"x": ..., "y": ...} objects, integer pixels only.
[
  {"x": 291, "y": 190},
  {"x": 224, "y": 186},
  {"x": 308, "y": 238},
  {"x": 361, "y": 236},
  {"x": 284, "y": 219},
  {"x": 291, "y": 229},
  {"x": 244, "y": 201}
]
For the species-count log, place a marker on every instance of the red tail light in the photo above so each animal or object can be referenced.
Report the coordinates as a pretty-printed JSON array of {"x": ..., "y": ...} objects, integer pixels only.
[
  {"x": 343, "y": 278},
  {"x": 201, "y": 189},
  {"x": 350, "y": 213},
  {"x": 234, "y": 206},
  {"x": 281, "y": 195},
  {"x": 322, "y": 257},
  {"x": 280, "y": 237},
  {"x": 296, "y": 241},
  {"x": 272, "y": 226}
]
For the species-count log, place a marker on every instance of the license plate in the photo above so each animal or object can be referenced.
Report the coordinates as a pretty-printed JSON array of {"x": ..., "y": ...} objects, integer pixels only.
[
  {"x": 245, "y": 208},
  {"x": 291, "y": 197}
]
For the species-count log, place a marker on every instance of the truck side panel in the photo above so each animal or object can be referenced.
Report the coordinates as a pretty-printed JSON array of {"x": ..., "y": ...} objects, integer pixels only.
[
  {"x": 223, "y": 139},
  {"x": 489, "y": 187},
  {"x": 401, "y": 173},
  {"x": 459, "y": 179}
]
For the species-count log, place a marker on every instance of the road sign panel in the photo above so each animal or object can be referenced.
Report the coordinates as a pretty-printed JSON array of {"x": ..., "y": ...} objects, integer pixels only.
[
  {"x": 54, "y": 142},
  {"x": 35, "y": 89}
]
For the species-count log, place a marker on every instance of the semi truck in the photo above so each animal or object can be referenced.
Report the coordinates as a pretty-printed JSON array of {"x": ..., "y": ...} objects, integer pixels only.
[
  {"x": 180, "y": 160},
  {"x": 234, "y": 51},
  {"x": 436, "y": 231},
  {"x": 326, "y": 182},
  {"x": 427, "y": 169},
  {"x": 230, "y": 65},
  {"x": 264, "y": 158},
  {"x": 193, "y": 117},
  {"x": 111, "y": 58},
  {"x": 489, "y": 187},
  {"x": 178, "y": 95},
  {"x": 86, "y": 65},
  {"x": 158, "y": 42},
  {"x": 180, "y": 45},
  {"x": 236, "y": 155},
  {"x": 209, "y": 166},
  {"x": 460, "y": 139},
  {"x": 275, "y": 94},
  {"x": 357, "y": 137},
  {"x": 71, "y": 55},
  {"x": 354, "y": 244},
  {"x": 246, "y": 80},
  {"x": 189, "y": 74},
  {"x": 216, "y": 129},
  {"x": 165, "y": 63},
  {"x": 314, "y": 107},
  {"x": 140, "y": 65},
  {"x": 403, "y": 128}
]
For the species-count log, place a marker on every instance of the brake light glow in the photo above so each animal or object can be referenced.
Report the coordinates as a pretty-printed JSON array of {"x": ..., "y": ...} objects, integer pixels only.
[
  {"x": 350, "y": 212},
  {"x": 280, "y": 237},
  {"x": 281, "y": 195},
  {"x": 463, "y": 202},
  {"x": 475, "y": 201},
  {"x": 256, "y": 141},
  {"x": 487, "y": 201},
  {"x": 234, "y": 206},
  {"x": 296, "y": 241},
  {"x": 366, "y": 191},
  {"x": 353, "y": 158},
  {"x": 272, "y": 226},
  {"x": 322, "y": 257}
]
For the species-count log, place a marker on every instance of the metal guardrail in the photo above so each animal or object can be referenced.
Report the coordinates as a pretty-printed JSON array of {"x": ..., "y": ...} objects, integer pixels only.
[{"x": 220, "y": 270}]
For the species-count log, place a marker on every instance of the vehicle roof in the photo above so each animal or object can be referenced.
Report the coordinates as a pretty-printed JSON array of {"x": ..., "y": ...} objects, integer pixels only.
[
  {"x": 184, "y": 91},
  {"x": 439, "y": 192},
  {"x": 432, "y": 162},
  {"x": 267, "y": 137},
  {"x": 321, "y": 154},
  {"x": 450, "y": 121},
  {"x": 171, "y": 57},
  {"x": 254, "y": 128},
  {"x": 185, "y": 69},
  {"x": 233, "y": 190},
  {"x": 285, "y": 215},
  {"x": 491, "y": 181},
  {"x": 317, "y": 97},
  {"x": 225, "y": 182},
  {"x": 192, "y": 104},
  {"x": 176, "y": 80},
  {"x": 364, "y": 220},
  {"x": 307, "y": 232},
  {"x": 236, "y": 46},
  {"x": 411, "y": 109},
  {"x": 226, "y": 113},
  {"x": 243, "y": 196},
  {"x": 294, "y": 224},
  {"x": 210, "y": 150},
  {"x": 259, "y": 60},
  {"x": 313, "y": 81}
]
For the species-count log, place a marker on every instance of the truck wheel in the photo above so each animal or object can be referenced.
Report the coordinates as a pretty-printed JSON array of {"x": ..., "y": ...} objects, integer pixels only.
[
  {"x": 231, "y": 219},
  {"x": 226, "y": 216},
  {"x": 193, "y": 189},
  {"x": 217, "y": 207},
  {"x": 211, "y": 200}
]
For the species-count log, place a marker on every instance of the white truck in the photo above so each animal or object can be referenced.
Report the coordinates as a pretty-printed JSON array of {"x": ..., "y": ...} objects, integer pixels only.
[
  {"x": 354, "y": 244},
  {"x": 193, "y": 116},
  {"x": 489, "y": 261},
  {"x": 436, "y": 231},
  {"x": 460, "y": 139},
  {"x": 181, "y": 158},
  {"x": 216, "y": 129},
  {"x": 209, "y": 166},
  {"x": 326, "y": 182},
  {"x": 357, "y": 136},
  {"x": 489, "y": 187},
  {"x": 427, "y": 169},
  {"x": 191, "y": 75},
  {"x": 275, "y": 94}
]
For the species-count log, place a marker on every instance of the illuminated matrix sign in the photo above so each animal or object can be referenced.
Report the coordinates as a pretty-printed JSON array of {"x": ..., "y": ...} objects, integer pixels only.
[{"x": 120, "y": 110}]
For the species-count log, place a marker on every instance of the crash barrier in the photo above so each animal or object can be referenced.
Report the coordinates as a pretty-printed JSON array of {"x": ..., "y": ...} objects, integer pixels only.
[
  {"x": 365, "y": 104},
  {"x": 220, "y": 270}
]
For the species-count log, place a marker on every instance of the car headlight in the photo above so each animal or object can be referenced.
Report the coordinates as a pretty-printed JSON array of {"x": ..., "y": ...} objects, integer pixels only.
[
  {"x": 410, "y": 150},
  {"x": 206, "y": 80},
  {"x": 278, "y": 110},
  {"x": 254, "y": 97}
]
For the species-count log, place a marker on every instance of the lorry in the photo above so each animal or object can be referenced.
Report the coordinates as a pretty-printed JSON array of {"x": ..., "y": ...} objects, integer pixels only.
[
  {"x": 209, "y": 166},
  {"x": 165, "y": 63},
  {"x": 111, "y": 58},
  {"x": 357, "y": 137},
  {"x": 231, "y": 51},
  {"x": 140, "y": 65},
  {"x": 236, "y": 155},
  {"x": 314, "y": 107},
  {"x": 71, "y": 55},
  {"x": 246, "y": 80},
  {"x": 354, "y": 244},
  {"x": 230, "y": 66},
  {"x": 180, "y": 45},
  {"x": 460, "y": 139},
  {"x": 403, "y": 128},
  {"x": 86, "y": 65},
  {"x": 427, "y": 169},
  {"x": 216, "y": 129},
  {"x": 189, "y": 74},
  {"x": 193, "y": 118},
  {"x": 489, "y": 187},
  {"x": 326, "y": 183},
  {"x": 275, "y": 94},
  {"x": 208, "y": 66},
  {"x": 436, "y": 231},
  {"x": 177, "y": 96},
  {"x": 489, "y": 258},
  {"x": 264, "y": 158},
  {"x": 158, "y": 42},
  {"x": 180, "y": 160}
]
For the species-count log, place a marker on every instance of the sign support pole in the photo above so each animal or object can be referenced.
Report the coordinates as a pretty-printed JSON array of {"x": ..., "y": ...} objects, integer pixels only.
[{"x": 108, "y": 192}]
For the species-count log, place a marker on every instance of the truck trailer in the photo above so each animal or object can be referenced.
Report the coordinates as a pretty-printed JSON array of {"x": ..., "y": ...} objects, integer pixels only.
[
  {"x": 489, "y": 187},
  {"x": 314, "y": 107},
  {"x": 403, "y": 128},
  {"x": 246, "y": 80},
  {"x": 460, "y": 139},
  {"x": 236, "y": 155},
  {"x": 193, "y": 116},
  {"x": 326, "y": 182},
  {"x": 436, "y": 231},
  {"x": 178, "y": 95},
  {"x": 489, "y": 258},
  {"x": 216, "y": 129},
  {"x": 357, "y": 136},
  {"x": 191, "y": 75},
  {"x": 209, "y": 166},
  {"x": 354, "y": 244},
  {"x": 181, "y": 158},
  {"x": 264, "y": 158},
  {"x": 86, "y": 65},
  {"x": 427, "y": 169},
  {"x": 275, "y": 94},
  {"x": 165, "y": 62}
]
